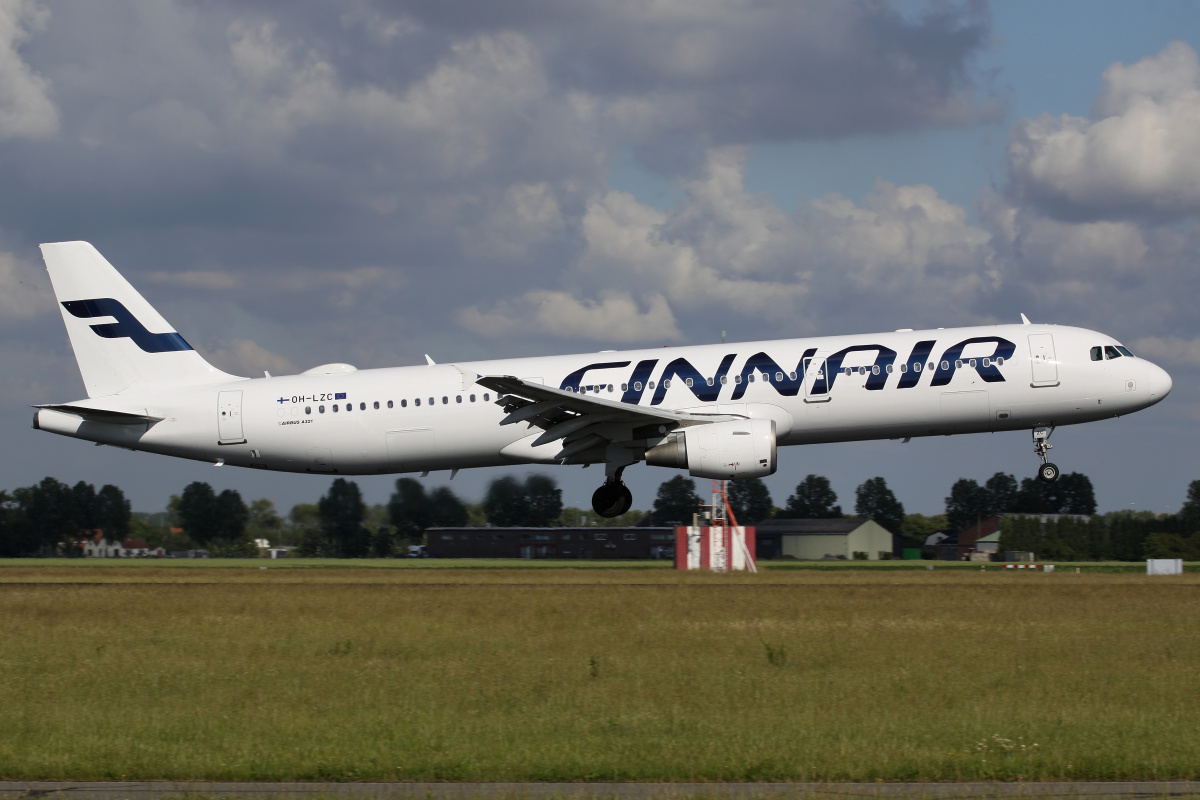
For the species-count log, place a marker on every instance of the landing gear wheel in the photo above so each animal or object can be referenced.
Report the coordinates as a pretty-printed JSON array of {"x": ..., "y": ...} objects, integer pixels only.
[
  {"x": 612, "y": 500},
  {"x": 1048, "y": 473}
]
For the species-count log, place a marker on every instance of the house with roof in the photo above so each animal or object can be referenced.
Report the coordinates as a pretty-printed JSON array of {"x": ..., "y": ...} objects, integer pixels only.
[{"x": 816, "y": 539}]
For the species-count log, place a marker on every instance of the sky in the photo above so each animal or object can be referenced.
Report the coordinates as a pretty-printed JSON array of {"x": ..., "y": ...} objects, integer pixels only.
[{"x": 367, "y": 182}]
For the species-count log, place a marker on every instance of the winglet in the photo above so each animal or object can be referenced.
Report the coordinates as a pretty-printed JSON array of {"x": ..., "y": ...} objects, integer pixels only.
[
  {"x": 1024, "y": 321},
  {"x": 430, "y": 361}
]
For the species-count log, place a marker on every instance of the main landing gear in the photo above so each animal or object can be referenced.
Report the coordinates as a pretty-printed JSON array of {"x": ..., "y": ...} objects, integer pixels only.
[
  {"x": 1041, "y": 443},
  {"x": 613, "y": 498}
]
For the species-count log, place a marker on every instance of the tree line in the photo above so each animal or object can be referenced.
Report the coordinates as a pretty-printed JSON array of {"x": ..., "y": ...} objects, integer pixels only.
[{"x": 51, "y": 518}]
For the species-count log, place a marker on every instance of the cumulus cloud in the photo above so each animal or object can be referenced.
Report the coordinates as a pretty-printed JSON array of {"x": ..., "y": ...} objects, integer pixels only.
[
  {"x": 1169, "y": 350},
  {"x": 26, "y": 289},
  {"x": 246, "y": 357},
  {"x": 1140, "y": 155},
  {"x": 26, "y": 109},
  {"x": 615, "y": 317}
]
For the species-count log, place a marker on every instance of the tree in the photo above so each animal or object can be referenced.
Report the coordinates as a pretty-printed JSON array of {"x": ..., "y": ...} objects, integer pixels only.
[
  {"x": 750, "y": 500},
  {"x": 967, "y": 504},
  {"x": 916, "y": 528},
  {"x": 544, "y": 499},
  {"x": 263, "y": 522},
  {"x": 1002, "y": 493},
  {"x": 408, "y": 509},
  {"x": 342, "y": 510},
  {"x": 213, "y": 519},
  {"x": 676, "y": 502},
  {"x": 17, "y": 536},
  {"x": 814, "y": 499},
  {"x": 1072, "y": 493},
  {"x": 51, "y": 510},
  {"x": 446, "y": 510},
  {"x": 112, "y": 513},
  {"x": 874, "y": 499},
  {"x": 534, "y": 503},
  {"x": 1189, "y": 515}
]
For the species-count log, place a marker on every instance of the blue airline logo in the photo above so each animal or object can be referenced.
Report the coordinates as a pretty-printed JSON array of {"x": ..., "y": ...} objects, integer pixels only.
[
  {"x": 790, "y": 383},
  {"x": 126, "y": 326}
]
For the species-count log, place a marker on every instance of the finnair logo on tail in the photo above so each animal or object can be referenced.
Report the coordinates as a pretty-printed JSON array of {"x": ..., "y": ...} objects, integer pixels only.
[{"x": 126, "y": 325}]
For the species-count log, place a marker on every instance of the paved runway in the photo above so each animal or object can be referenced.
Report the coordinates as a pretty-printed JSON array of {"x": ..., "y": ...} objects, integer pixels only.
[{"x": 150, "y": 790}]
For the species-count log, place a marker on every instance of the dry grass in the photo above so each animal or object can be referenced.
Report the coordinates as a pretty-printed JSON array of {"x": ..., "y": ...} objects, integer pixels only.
[{"x": 615, "y": 674}]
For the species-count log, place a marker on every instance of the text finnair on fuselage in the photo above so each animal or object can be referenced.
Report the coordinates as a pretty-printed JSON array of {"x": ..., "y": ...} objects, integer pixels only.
[{"x": 718, "y": 411}]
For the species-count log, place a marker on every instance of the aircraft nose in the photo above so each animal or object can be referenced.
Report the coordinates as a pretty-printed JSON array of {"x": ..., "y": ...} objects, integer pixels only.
[{"x": 1158, "y": 382}]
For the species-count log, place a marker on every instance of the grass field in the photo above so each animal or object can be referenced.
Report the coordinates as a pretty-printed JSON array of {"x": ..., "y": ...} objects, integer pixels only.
[{"x": 428, "y": 671}]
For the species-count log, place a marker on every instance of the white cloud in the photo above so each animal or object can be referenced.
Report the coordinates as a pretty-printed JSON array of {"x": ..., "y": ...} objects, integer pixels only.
[
  {"x": 1140, "y": 156},
  {"x": 25, "y": 106},
  {"x": 1170, "y": 350},
  {"x": 26, "y": 291},
  {"x": 245, "y": 357},
  {"x": 615, "y": 317}
]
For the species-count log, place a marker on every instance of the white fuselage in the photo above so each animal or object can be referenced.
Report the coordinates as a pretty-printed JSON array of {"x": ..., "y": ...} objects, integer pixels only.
[{"x": 435, "y": 417}]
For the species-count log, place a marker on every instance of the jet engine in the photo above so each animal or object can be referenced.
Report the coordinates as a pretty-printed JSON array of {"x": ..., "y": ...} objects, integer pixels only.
[{"x": 743, "y": 448}]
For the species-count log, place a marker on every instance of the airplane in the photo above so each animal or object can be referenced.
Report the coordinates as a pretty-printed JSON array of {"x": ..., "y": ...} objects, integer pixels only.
[{"x": 717, "y": 410}]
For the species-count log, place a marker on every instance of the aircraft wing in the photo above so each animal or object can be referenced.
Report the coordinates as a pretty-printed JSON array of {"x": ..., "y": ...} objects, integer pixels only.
[{"x": 583, "y": 421}]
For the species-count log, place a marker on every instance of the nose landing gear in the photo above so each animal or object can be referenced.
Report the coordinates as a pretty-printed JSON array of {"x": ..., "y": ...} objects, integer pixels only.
[
  {"x": 613, "y": 498},
  {"x": 1041, "y": 444}
]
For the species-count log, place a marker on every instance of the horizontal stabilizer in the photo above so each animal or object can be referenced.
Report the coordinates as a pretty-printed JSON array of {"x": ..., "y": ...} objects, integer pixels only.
[{"x": 102, "y": 414}]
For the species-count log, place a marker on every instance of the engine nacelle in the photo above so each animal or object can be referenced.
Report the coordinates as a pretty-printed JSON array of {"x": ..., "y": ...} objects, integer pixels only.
[{"x": 743, "y": 448}]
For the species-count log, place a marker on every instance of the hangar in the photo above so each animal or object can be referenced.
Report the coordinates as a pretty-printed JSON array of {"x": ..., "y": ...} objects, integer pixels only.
[{"x": 815, "y": 539}]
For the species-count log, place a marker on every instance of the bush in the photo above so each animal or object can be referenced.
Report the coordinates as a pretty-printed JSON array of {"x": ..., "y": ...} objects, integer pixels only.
[{"x": 860, "y": 555}]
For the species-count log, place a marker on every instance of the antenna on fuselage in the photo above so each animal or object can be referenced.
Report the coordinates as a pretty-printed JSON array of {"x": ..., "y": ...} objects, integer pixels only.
[{"x": 1024, "y": 321}]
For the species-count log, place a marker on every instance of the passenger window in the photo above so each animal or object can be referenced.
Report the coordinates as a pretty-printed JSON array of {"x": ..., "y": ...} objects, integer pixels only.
[
  {"x": 376, "y": 405},
  {"x": 987, "y": 362},
  {"x": 903, "y": 368},
  {"x": 445, "y": 400},
  {"x": 724, "y": 379},
  {"x": 308, "y": 409},
  {"x": 472, "y": 398},
  {"x": 688, "y": 383},
  {"x": 610, "y": 388},
  {"x": 946, "y": 364},
  {"x": 637, "y": 386},
  {"x": 779, "y": 377},
  {"x": 416, "y": 401},
  {"x": 485, "y": 397},
  {"x": 321, "y": 409},
  {"x": 792, "y": 376},
  {"x": 1097, "y": 354},
  {"x": 971, "y": 363},
  {"x": 1000, "y": 361},
  {"x": 1125, "y": 351},
  {"x": 889, "y": 369},
  {"x": 1111, "y": 352},
  {"x": 624, "y": 387},
  {"x": 458, "y": 398},
  {"x": 958, "y": 363},
  {"x": 650, "y": 385},
  {"x": 875, "y": 369},
  {"x": 750, "y": 377},
  {"x": 402, "y": 402},
  {"x": 363, "y": 406}
]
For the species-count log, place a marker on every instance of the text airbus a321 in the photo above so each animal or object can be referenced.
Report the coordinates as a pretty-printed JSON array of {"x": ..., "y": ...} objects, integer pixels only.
[{"x": 718, "y": 411}]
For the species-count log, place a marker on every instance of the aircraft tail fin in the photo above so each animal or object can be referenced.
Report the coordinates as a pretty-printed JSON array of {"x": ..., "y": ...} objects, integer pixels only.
[{"x": 120, "y": 341}]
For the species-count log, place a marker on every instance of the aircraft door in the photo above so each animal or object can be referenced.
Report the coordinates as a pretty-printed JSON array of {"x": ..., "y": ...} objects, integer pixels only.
[
  {"x": 229, "y": 418},
  {"x": 1041, "y": 358},
  {"x": 816, "y": 380}
]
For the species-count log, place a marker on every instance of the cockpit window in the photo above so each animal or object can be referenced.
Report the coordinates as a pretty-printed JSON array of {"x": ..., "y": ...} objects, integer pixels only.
[
  {"x": 1125, "y": 351},
  {"x": 1111, "y": 352},
  {"x": 1097, "y": 354}
]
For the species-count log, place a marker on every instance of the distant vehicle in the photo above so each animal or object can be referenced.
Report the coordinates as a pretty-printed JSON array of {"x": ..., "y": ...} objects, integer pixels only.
[{"x": 717, "y": 410}]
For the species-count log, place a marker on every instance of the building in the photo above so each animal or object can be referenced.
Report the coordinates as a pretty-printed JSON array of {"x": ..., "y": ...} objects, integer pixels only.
[
  {"x": 590, "y": 543},
  {"x": 815, "y": 539},
  {"x": 984, "y": 536},
  {"x": 95, "y": 545}
]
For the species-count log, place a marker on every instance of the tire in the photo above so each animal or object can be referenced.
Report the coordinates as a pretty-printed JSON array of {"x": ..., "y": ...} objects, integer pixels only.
[
  {"x": 626, "y": 500},
  {"x": 609, "y": 501},
  {"x": 1048, "y": 473}
]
